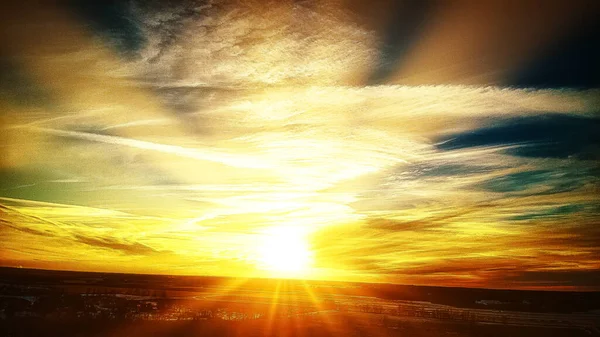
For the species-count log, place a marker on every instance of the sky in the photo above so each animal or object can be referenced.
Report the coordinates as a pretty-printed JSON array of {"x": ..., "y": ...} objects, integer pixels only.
[{"x": 450, "y": 143}]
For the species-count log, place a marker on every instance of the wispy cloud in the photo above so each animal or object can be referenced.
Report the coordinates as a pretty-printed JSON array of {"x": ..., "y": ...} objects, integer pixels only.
[{"x": 184, "y": 132}]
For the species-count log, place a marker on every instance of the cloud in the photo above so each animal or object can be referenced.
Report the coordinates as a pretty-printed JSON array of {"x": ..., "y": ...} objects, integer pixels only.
[
  {"x": 196, "y": 126},
  {"x": 546, "y": 181},
  {"x": 225, "y": 158},
  {"x": 441, "y": 217},
  {"x": 544, "y": 136},
  {"x": 27, "y": 230},
  {"x": 560, "y": 211},
  {"x": 125, "y": 247},
  {"x": 114, "y": 21},
  {"x": 431, "y": 170},
  {"x": 242, "y": 44}
]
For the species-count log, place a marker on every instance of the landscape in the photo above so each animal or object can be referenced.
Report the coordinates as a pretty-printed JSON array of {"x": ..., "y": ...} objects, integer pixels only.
[
  {"x": 50, "y": 303},
  {"x": 299, "y": 168}
]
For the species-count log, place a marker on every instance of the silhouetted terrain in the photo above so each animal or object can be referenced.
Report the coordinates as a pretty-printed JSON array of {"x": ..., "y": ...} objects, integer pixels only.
[{"x": 57, "y": 303}]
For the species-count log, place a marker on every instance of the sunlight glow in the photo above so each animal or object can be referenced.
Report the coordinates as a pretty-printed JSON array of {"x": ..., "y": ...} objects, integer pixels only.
[
  {"x": 285, "y": 252},
  {"x": 293, "y": 139}
]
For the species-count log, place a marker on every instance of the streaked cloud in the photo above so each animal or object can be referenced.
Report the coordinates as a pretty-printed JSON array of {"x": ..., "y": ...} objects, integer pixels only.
[
  {"x": 174, "y": 137},
  {"x": 552, "y": 136}
]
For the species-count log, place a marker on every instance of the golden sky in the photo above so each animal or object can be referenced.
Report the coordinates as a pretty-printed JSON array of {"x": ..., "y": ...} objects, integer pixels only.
[{"x": 295, "y": 140}]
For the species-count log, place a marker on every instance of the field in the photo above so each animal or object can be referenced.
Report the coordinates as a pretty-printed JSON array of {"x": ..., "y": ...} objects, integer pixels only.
[{"x": 44, "y": 303}]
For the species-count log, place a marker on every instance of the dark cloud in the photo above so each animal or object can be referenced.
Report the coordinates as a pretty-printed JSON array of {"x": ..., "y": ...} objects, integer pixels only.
[
  {"x": 167, "y": 20},
  {"x": 130, "y": 248},
  {"x": 114, "y": 20},
  {"x": 544, "y": 136},
  {"x": 551, "y": 212},
  {"x": 541, "y": 182}
]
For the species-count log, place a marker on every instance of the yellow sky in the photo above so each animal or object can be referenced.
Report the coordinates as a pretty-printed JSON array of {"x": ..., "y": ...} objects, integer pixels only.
[{"x": 200, "y": 156}]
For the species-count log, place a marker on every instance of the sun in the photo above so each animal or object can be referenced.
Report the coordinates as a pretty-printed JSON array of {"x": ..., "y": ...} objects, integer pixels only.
[{"x": 284, "y": 252}]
